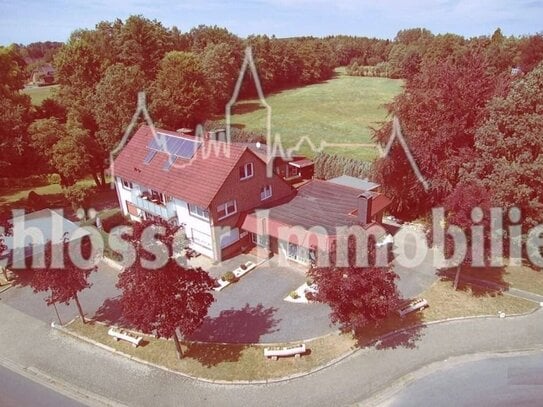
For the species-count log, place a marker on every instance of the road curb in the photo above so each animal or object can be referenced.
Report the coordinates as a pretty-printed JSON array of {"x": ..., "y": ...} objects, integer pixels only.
[
  {"x": 386, "y": 393},
  {"x": 290, "y": 377},
  {"x": 59, "y": 386},
  {"x": 201, "y": 379}
]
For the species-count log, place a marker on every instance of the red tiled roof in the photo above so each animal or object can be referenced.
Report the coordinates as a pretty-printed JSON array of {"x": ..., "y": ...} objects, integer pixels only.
[
  {"x": 195, "y": 181},
  {"x": 319, "y": 204}
]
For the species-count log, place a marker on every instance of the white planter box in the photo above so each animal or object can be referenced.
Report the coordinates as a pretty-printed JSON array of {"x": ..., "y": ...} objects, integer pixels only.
[
  {"x": 275, "y": 352},
  {"x": 118, "y": 334},
  {"x": 416, "y": 305}
]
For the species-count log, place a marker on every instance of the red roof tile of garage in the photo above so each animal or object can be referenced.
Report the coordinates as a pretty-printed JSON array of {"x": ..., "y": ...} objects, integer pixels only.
[
  {"x": 195, "y": 181},
  {"x": 319, "y": 204}
]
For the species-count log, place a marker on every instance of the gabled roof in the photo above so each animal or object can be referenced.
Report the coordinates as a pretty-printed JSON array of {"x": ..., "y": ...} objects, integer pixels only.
[{"x": 196, "y": 181}]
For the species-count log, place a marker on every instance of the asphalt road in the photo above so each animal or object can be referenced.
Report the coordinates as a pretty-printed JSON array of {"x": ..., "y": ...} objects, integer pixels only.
[
  {"x": 19, "y": 391},
  {"x": 499, "y": 381}
]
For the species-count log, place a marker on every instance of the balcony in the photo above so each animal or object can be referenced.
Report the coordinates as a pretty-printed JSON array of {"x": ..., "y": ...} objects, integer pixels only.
[{"x": 154, "y": 206}]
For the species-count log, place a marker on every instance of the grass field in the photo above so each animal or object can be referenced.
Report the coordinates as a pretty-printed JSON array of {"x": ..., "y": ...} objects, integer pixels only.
[
  {"x": 338, "y": 111},
  {"x": 39, "y": 93}
]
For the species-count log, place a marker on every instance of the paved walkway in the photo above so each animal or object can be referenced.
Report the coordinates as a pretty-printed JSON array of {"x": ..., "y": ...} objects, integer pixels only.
[{"x": 30, "y": 343}]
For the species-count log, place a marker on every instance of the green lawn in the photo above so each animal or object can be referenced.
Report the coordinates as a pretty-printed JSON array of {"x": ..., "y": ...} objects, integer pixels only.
[
  {"x": 39, "y": 93},
  {"x": 13, "y": 195},
  {"x": 340, "y": 110}
]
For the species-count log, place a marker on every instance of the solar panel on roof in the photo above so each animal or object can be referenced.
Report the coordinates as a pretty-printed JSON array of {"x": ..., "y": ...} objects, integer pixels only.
[
  {"x": 169, "y": 163},
  {"x": 150, "y": 155},
  {"x": 178, "y": 147}
]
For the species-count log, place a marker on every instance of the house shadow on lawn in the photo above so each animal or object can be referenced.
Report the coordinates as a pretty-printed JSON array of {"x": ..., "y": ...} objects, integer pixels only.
[{"x": 479, "y": 281}]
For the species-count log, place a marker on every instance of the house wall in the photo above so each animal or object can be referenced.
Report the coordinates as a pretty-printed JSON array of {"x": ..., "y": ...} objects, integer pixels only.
[
  {"x": 193, "y": 226},
  {"x": 123, "y": 195},
  {"x": 247, "y": 195},
  {"x": 196, "y": 229}
]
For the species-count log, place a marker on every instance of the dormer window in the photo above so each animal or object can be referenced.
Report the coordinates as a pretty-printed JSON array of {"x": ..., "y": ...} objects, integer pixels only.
[{"x": 246, "y": 171}]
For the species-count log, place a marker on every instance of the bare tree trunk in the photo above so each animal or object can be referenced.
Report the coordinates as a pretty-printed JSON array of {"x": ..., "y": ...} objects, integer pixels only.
[
  {"x": 103, "y": 178},
  {"x": 178, "y": 349},
  {"x": 80, "y": 309},
  {"x": 96, "y": 180},
  {"x": 457, "y": 277}
]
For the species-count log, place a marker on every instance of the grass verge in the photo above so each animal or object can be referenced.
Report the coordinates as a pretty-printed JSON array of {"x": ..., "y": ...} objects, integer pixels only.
[
  {"x": 223, "y": 362},
  {"x": 448, "y": 303},
  {"x": 232, "y": 362}
]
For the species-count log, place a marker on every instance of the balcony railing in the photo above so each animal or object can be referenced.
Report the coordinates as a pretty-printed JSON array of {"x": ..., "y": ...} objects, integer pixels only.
[{"x": 155, "y": 208}]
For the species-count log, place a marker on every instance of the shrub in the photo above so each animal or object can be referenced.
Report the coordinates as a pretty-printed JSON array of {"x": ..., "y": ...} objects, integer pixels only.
[
  {"x": 53, "y": 178},
  {"x": 77, "y": 195},
  {"x": 28, "y": 182},
  {"x": 294, "y": 295},
  {"x": 330, "y": 166},
  {"x": 114, "y": 220},
  {"x": 35, "y": 201},
  {"x": 309, "y": 281},
  {"x": 230, "y": 277},
  {"x": 310, "y": 296}
]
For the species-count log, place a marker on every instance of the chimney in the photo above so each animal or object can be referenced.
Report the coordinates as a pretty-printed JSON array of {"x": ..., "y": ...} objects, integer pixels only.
[{"x": 365, "y": 201}]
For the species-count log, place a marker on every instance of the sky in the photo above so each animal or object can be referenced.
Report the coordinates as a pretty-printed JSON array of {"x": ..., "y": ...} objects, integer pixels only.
[{"x": 41, "y": 20}]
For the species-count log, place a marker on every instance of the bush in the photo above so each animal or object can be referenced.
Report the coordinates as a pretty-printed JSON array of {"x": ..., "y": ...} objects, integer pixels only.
[
  {"x": 116, "y": 219},
  {"x": 294, "y": 295},
  {"x": 28, "y": 182},
  {"x": 330, "y": 166},
  {"x": 35, "y": 201},
  {"x": 309, "y": 281},
  {"x": 310, "y": 296},
  {"x": 77, "y": 195},
  {"x": 230, "y": 277},
  {"x": 53, "y": 178}
]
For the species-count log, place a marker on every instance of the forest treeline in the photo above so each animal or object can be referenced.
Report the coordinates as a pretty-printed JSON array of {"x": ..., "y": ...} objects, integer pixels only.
[
  {"x": 412, "y": 48},
  {"x": 189, "y": 76}
]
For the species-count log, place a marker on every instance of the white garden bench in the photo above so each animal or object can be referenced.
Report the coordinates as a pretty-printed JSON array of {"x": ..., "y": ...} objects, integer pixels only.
[
  {"x": 119, "y": 334},
  {"x": 418, "y": 304},
  {"x": 277, "y": 351}
]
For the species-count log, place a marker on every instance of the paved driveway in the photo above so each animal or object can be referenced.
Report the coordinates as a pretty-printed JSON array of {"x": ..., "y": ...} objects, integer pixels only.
[{"x": 253, "y": 309}]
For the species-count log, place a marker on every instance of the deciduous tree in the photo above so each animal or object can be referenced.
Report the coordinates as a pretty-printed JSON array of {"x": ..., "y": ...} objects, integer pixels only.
[
  {"x": 63, "y": 282},
  {"x": 168, "y": 298},
  {"x": 357, "y": 295},
  {"x": 179, "y": 96},
  {"x": 509, "y": 148}
]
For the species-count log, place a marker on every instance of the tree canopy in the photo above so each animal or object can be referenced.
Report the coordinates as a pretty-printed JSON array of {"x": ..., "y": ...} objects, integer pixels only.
[{"x": 168, "y": 298}]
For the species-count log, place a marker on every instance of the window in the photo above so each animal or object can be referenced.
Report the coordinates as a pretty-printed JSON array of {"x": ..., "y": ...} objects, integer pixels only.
[
  {"x": 198, "y": 212},
  {"x": 201, "y": 238},
  {"x": 260, "y": 240},
  {"x": 246, "y": 171},
  {"x": 265, "y": 192},
  {"x": 229, "y": 237},
  {"x": 127, "y": 184},
  {"x": 226, "y": 209}
]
